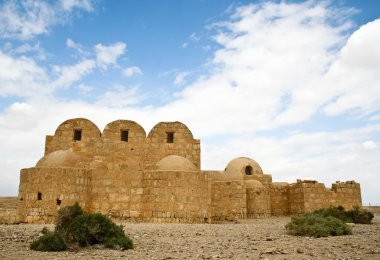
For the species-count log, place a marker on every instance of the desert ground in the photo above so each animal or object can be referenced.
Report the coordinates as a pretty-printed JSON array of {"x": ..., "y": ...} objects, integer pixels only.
[{"x": 251, "y": 239}]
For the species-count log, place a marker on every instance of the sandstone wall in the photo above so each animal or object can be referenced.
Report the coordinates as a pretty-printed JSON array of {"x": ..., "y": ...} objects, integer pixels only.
[
  {"x": 64, "y": 135},
  {"x": 43, "y": 191},
  {"x": 183, "y": 144},
  {"x": 308, "y": 196},
  {"x": 174, "y": 196},
  {"x": 279, "y": 197},
  {"x": 258, "y": 203},
  {"x": 228, "y": 200}
]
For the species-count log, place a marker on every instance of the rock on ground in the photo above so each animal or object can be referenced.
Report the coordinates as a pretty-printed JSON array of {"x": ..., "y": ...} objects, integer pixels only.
[{"x": 251, "y": 239}]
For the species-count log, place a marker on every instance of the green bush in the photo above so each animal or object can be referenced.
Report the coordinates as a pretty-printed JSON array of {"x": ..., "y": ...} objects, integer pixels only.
[
  {"x": 65, "y": 217},
  {"x": 360, "y": 215},
  {"x": 90, "y": 229},
  {"x": 317, "y": 225},
  {"x": 77, "y": 228},
  {"x": 49, "y": 241},
  {"x": 356, "y": 215},
  {"x": 336, "y": 212}
]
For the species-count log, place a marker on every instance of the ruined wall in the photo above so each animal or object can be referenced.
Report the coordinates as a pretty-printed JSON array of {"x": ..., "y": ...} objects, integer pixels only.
[
  {"x": 258, "y": 202},
  {"x": 43, "y": 191},
  {"x": 348, "y": 194},
  {"x": 309, "y": 195},
  {"x": 228, "y": 200},
  {"x": 279, "y": 197}
]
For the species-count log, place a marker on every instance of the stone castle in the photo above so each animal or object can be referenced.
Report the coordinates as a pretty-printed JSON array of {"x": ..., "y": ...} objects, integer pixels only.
[{"x": 131, "y": 176}]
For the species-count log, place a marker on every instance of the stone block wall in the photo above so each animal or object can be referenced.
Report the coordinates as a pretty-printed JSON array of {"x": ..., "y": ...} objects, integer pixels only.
[
  {"x": 43, "y": 191},
  {"x": 346, "y": 194},
  {"x": 309, "y": 195},
  {"x": 174, "y": 196},
  {"x": 183, "y": 144},
  {"x": 228, "y": 200},
  {"x": 127, "y": 175},
  {"x": 279, "y": 197},
  {"x": 258, "y": 203}
]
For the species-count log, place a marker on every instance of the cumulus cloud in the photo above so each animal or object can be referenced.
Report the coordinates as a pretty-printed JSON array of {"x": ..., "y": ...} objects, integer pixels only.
[
  {"x": 108, "y": 55},
  {"x": 21, "y": 77},
  {"x": 82, "y": 4},
  {"x": 132, "y": 71},
  {"x": 27, "y": 19},
  {"x": 70, "y": 74}
]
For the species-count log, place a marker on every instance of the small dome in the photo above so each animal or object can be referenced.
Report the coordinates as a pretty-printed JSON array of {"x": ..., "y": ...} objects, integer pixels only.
[
  {"x": 244, "y": 166},
  {"x": 254, "y": 184},
  {"x": 175, "y": 163},
  {"x": 62, "y": 158}
]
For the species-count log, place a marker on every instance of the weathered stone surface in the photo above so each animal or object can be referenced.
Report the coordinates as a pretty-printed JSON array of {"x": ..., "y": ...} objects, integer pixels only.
[{"x": 131, "y": 176}]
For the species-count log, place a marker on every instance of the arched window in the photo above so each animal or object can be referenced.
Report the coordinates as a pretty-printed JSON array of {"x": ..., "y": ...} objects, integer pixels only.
[{"x": 248, "y": 170}]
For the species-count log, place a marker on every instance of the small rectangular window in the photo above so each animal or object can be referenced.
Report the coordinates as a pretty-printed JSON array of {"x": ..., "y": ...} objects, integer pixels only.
[
  {"x": 77, "y": 135},
  {"x": 170, "y": 137},
  {"x": 58, "y": 202},
  {"x": 124, "y": 135},
  {"x": 39, "y": 196}
]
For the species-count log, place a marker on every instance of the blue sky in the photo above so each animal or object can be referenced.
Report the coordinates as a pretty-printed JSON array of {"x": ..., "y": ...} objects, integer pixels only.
[{"x": 291, "y": 84}]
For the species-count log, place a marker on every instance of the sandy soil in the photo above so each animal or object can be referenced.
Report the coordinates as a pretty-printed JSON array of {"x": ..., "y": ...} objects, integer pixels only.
[{"x": 253, "y": 239}]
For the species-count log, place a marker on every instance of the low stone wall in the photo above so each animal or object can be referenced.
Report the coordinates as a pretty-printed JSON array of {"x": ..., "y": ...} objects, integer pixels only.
[{"x": 9, "y": 216}]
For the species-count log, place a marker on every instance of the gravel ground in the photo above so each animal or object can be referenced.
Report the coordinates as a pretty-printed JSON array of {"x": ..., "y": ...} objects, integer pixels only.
[{"x": 252, "y": 239}]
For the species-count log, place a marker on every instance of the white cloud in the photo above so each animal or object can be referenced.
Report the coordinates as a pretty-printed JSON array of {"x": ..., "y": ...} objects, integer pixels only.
[
  {"x": 108, "y": 55},
  {"x": 370, "y": 145},
  {"x": 70, "y": 74},
  {"x": 27, "y": 19},
  {"x": 21, "y": 77},
  {"x": 180, "y": 79},
  {"x": 120, "y": 97},
  {"x": 132, "y": 71},
  {"x": 68, "y": 5}
]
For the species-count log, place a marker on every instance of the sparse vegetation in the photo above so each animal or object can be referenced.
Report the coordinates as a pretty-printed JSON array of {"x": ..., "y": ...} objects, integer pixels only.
[
  {"x": 356, "y": 215},
  {"x": 49, "y": 241},
  {"x": 74, "y": 227},
  {"x": 317, "y": 225},
  {"x": 328, "y": 222}
]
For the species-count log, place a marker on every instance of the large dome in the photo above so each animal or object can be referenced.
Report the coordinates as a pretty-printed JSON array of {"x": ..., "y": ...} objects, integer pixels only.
[
  {"x": 175, "y": 163},
  {"x": 62, "y": 158},
  {"x": 243, "y": 166}
]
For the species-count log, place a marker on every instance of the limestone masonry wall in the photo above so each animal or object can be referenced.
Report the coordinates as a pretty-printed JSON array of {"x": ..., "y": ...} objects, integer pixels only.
[{"x": 131, "y": 176}]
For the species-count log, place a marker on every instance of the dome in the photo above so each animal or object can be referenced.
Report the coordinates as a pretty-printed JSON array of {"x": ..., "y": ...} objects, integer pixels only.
[
  {"x": 254, "y": 184},
  {"x": 175, "y": 163},
  {"x": 244, "y": 166},
  {"x": 62, "y": 158}
]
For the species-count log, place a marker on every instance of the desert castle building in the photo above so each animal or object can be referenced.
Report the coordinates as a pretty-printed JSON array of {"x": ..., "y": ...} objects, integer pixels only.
[{"x": 128, "y": 175}]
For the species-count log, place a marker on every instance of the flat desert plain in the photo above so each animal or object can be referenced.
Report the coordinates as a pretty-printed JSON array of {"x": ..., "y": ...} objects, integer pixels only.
[{"x": 250, "y": 239}]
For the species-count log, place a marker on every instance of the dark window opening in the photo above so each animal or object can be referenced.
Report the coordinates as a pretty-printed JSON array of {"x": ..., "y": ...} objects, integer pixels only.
[
  {"x": 124, "y": 135},
  {"x": 248, "y": 170},
  {"x": 39, "y": 196},
  {"x": 77, "y": 135},
  {"x": 59, "y": 202},
  {"x": 21, "y": 199},
  {"x": 170, "y": 137}
]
